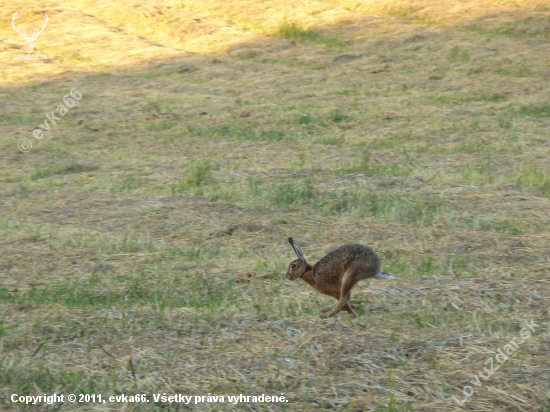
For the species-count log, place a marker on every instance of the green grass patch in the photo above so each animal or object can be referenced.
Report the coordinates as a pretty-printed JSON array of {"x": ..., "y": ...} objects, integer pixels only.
[
  {"x": 65, "y": 170},
  {"x": 426, "y": 265},
  {"x": 532, "y": 177},
  {"x": 197, "y": 175},
  {"x": 518, "y": 29},
  {"x": 247, "y": 55},
  {"x": 502, "y": 225},
  {"x": 37, "y": 378},
  {"x": 194, "y": 291},
  {"x": 460, "y": 98},
  {"x": 535, "y": 110},
  {"x": 15, "y": 118},
  {"x": 516, "y": 69},
  {"x": 127, "y": 183},
  {"x": 247, "y": 131},
  {"x": 372, "y": 167},
  {"x": 412, "y": 209},
  {"x": 477, "y": 174},
  {"x": 305, "y": 119},
  {"x": 292, "y": 194},
  {"x": 308, "y": 197},
  {"x": 336, "y": 116},
  {"x": 157, "y": 104},
  {"x": 331, "y": 140},
  {"x": 160, "y": 125},
  {"x": 493, "y": 97},
  {"x": 458, "y": 54},
  {"x": 293, "y": 31}
]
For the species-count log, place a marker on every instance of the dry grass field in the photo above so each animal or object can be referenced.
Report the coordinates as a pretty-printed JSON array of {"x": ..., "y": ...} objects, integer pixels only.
[{"x": 143, "y": 239}]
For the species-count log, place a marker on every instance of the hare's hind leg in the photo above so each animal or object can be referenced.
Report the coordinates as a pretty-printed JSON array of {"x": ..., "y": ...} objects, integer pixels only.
[{"x": 349, "y": 280}]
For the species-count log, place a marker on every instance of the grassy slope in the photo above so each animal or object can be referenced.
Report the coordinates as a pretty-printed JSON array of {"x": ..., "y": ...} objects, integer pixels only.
[{"x": 143, "y": 239}]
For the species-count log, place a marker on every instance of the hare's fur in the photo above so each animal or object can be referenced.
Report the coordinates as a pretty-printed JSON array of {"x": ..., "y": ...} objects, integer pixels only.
[{"x": 338, "y": 272}]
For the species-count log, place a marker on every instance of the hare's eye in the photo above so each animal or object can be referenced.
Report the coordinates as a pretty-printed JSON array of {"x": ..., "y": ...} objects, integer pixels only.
[{"x": 293, "y": 266}]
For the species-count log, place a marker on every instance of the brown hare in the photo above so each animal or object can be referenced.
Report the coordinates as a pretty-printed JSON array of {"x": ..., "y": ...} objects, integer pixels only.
[{"x": 338, "y": 272}]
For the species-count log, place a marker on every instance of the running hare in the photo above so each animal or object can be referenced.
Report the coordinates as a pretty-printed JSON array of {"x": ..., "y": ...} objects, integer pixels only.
[{"x": 338, "y": 272}]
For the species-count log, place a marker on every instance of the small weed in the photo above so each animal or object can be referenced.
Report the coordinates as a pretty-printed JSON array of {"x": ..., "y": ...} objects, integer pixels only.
[
  {"x": 158, "y": 105},
  {"x": 494, "y": 97},
  {"x": 274, "y": 135},
  {"x": 470, "y": 147},
  {"x": 305, "y": 119},
  {"x": 504, "y": 122},
  {"x": 294, "y": 194},
  {"x": 458, "y": 54},
  {"x": 127, "y": 183},
  {"x": 255, "y": 188},
  {"x": 336, "y": 116},
  {"x": 370, "y": 168},
  {"x": 160, "y": 125},
  {"x": 425, "y": 266},
  {"x": 294, "y": 32},
  {"x": 332, "y": 140},
  {"x": 334, "y": 43},
  {"x": 532, "y": 176},
  {"x": 198, "y": 174},
  {"x": 477, "y": 174},
  {"x": 247, "y": 54},
  {"x": 302, "y": 157}
]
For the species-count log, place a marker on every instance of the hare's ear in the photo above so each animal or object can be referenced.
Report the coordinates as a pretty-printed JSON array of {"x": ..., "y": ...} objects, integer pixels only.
[{"x": 296, "y": 248}]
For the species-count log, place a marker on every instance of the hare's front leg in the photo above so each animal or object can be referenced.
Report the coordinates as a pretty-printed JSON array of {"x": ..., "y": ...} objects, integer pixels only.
[
  {"x": 347, "y": 308},
  {"x": 349, "y": 280},
  {"x": 332, "y": 289}
]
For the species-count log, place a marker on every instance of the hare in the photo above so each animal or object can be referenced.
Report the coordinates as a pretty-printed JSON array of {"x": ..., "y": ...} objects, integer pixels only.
[{"x": 338, "y": 272}]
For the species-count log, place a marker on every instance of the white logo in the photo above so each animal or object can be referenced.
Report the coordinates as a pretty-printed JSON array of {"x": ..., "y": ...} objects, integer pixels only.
[{"x": 29, "y": 40}]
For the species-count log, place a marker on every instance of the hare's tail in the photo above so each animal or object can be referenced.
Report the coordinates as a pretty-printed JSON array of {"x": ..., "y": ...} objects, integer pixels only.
[{"x": 384, "y": 275}]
